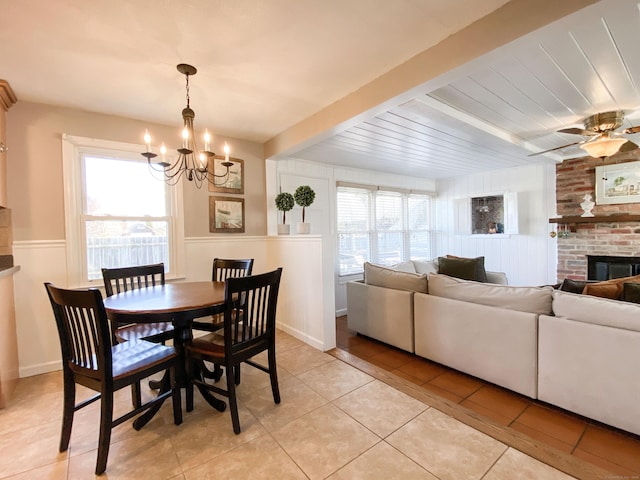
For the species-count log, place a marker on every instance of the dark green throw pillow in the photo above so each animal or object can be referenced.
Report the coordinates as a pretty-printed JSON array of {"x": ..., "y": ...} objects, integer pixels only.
[
  {"x": 631, "y": 292},
  {"x": 464, "y": 268},
  {"x": 572, "y": 286}
]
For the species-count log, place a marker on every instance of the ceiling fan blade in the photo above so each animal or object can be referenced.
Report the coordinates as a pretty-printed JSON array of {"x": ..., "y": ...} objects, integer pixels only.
[
  {"x": 627, "y": 147},
  {"x": 635, "y": 129},
  {"x": 577, "y": 131},
  {"x": 554, "y": 149}
]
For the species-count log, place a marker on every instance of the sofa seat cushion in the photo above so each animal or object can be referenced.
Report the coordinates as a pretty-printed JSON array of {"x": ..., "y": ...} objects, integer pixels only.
[
  {"x": 380, "y": 276},
  {"x": 599, "y": 311},
  {"x": 523, "y": 299}
]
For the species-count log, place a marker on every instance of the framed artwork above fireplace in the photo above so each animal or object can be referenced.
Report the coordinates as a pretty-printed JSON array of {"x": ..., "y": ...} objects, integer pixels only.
[{"x": 618, "y": 183}]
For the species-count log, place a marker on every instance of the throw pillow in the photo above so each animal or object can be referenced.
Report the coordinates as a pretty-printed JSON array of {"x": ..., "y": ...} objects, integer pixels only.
[
  {"x": 609, "y": 288},
  {"x": 631, "y": 292},
  {"x": 386, "y": 277},
  {"x": 405, "y": 267},
  {"x": 430, "y": 266},
  {"x": 573, "y": 286},
  {"x": 464, "y": 268}
]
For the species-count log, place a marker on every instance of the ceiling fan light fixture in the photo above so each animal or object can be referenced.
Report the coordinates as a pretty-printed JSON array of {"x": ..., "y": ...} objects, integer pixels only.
[{"x": 605, "y": 146}]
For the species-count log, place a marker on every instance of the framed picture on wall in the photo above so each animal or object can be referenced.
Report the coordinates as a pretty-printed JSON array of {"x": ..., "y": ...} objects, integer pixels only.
[
  {"x": 618, "y": 183},
  {"x": 226, "y": 182},
  {"x": 226, "y": 215}
]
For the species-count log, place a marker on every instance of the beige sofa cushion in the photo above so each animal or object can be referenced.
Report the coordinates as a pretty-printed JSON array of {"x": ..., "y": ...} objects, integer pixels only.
[
  {"x": 428, "y": 267},
  {"x": 405, "y": 267},
  {"x": 599, "y": 311},
  {"x": 523, "y": 299},
  {"x": 389, "y": 278}
]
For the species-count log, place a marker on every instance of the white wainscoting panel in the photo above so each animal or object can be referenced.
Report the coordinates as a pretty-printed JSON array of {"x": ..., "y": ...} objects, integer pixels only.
[
  {"x": 200, "y": 252},
  {"x": 38, "y": 345},
  {"x": 305, "y": 307}
]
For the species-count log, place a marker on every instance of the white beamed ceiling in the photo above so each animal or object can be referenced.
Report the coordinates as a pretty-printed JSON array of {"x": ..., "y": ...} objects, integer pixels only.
[{"x": 507, "y": 105}]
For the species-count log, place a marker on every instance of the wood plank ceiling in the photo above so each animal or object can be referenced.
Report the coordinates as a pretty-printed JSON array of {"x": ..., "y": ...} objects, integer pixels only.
[{"x": 508, "y": 104}]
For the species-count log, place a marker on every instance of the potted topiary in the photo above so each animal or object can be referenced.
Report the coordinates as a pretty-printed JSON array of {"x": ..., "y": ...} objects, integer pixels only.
[
  {"x": 304, "y": 196},
  {"x": 284, "y": 203}
]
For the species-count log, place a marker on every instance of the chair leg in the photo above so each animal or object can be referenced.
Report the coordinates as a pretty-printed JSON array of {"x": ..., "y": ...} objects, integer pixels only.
[
  {"x": 233, "y": 403},
  {"x": 189, "y": 388},
  {"x": 136, "y": 395},
  {"x": 176, "y": 396},
  {"x": 273, "y": 375},
  {"x": 236, "y": 373},
  {"x": 104, "y": 439},
  {"x": 67, "y": 410}
]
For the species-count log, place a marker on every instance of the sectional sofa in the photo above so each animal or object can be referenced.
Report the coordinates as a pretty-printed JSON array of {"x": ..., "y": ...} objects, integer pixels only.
[{"x": 579, "y": 352}]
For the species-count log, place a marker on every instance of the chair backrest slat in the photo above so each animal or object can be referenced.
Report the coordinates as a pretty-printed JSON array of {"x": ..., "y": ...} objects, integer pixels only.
[
  {"x": 231, "y": 268},
  {"x": 118, "y": 280}
]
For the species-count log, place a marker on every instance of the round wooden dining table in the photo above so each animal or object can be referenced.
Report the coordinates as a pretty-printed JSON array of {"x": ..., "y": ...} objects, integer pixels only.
[{"x": 178, "y": 303}]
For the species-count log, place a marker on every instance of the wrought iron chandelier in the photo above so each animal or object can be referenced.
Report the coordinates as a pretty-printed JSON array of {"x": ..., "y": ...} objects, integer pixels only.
[{"x": 192, "y": 163}]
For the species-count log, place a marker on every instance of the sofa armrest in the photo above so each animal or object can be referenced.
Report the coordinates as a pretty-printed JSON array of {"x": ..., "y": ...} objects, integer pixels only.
[
  {"x": 382, "y": 313},
  {"x": 499, "y": 278}
]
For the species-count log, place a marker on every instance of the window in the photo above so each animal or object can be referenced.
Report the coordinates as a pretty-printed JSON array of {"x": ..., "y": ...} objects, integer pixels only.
[
  {"x": 384, "y": 226},
  {"x": 117, "y": 213}
]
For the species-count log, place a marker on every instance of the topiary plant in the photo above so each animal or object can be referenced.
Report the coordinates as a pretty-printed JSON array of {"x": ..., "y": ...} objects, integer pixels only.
[
  {"x": 304, "y": 196},
  {"x": 284, "y": 203}
]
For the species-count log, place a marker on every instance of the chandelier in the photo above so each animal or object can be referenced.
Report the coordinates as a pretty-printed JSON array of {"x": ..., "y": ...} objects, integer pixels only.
[{"x": 192, "y": 163}]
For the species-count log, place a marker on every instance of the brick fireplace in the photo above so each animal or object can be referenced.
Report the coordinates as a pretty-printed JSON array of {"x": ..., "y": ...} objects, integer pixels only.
[{"x": 574, "y": 178}]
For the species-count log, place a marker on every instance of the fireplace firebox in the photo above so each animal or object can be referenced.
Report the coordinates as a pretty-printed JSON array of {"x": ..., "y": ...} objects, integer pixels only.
[{"x": 604, "y": 267}]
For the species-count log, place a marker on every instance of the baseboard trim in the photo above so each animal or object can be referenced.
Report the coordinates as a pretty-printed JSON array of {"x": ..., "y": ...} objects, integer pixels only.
[
  {"x": 41, "y": 368},
  {"x": 314, "y": 342}
]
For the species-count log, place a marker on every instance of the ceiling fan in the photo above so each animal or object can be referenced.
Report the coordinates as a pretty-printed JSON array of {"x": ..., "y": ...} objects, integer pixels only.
[{"x": 603, "y": 139}]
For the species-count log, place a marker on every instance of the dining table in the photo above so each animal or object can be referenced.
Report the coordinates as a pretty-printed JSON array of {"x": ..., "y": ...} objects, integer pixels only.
[{"x": 178, "y": 303}]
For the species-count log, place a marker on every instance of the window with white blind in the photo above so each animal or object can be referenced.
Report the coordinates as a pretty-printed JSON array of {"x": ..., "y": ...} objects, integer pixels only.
[{"x": 383, "y": 226}]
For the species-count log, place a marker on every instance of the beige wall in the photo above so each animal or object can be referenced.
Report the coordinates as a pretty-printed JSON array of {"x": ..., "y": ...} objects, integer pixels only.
[{"x": 35, "y": 190}]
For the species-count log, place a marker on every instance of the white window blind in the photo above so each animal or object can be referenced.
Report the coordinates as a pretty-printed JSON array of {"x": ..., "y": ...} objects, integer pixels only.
[{"x": 383, "y": 226}]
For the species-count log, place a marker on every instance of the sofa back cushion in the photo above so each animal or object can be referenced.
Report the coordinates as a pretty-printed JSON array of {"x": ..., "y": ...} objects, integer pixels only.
[
  {"x": 524, "y": 299},
  {"x": 390, "y": 278},
  {"x": 599, "y": 311}
]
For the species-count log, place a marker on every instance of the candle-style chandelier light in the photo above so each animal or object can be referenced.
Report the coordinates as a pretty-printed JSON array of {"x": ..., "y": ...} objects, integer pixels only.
[{"x": 192, "y": 162}]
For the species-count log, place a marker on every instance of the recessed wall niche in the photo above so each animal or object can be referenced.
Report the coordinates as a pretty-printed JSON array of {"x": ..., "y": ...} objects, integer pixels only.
[{"x": 487, "y": 214}]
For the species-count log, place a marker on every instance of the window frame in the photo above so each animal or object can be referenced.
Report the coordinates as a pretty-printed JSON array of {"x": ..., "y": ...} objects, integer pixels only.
[
  {"x": 74, "y": 149},
  {"x": 373, "y": 232}
]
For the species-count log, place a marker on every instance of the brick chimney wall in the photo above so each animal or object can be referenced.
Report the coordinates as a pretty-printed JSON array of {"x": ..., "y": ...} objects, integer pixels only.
[{"x": 575, "y": 178}]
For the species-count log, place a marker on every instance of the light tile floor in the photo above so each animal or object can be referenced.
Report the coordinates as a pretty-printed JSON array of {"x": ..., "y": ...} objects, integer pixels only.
[
  {"x": 549, "y": 428},
  {"x": 334, "y": 422}
]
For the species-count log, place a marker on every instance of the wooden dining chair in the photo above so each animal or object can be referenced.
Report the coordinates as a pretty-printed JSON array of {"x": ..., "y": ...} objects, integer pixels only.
[
  {"x": 249, "y": 328},
  {"x": 90, "y": 359},
  {"x": 124, "y": 279},
  {"x": 222, "y": 269}
]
